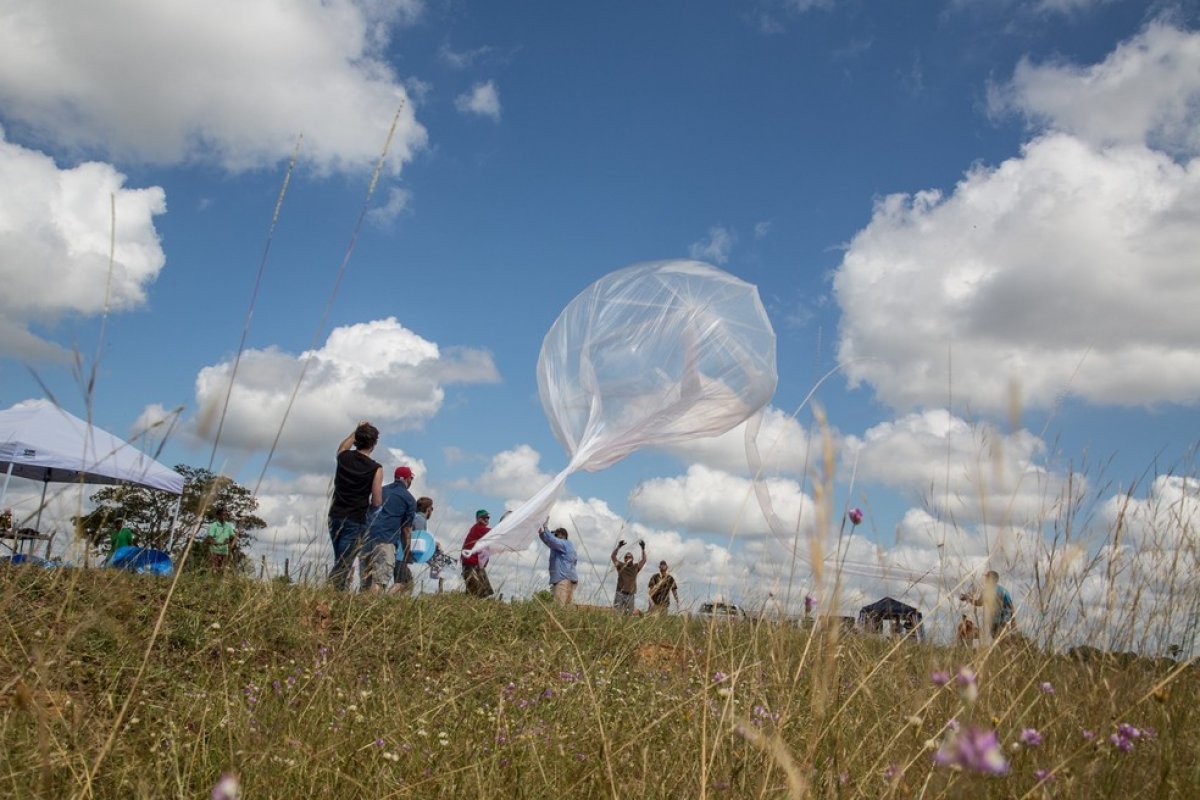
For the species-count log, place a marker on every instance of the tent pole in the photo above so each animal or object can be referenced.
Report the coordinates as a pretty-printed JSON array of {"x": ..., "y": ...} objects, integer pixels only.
[
  {"x": 37, "y": 526},
  {"x": 7, "y": 477},
  {"x": 174, "y": 520}
]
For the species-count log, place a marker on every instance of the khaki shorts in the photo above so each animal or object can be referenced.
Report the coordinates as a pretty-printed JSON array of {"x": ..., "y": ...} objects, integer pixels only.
[
  {"x": 564, "y": 592},
  {"x": 378, "y": 565}
]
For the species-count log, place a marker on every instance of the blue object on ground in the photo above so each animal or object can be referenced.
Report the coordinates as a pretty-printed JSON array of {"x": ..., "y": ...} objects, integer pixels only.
[{"x": 141, "y": 559}]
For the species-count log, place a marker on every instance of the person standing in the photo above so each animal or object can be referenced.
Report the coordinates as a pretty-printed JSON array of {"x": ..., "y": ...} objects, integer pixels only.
[
  {"x": 474, "y": 566},
  {"x": 357, "y": 485},
  {"x": 404, "y": 557},
  {"x": 389, "y": 531},
  {"x": 221, "y": 536},
  {"x": 563, "y": 560},
  {"x": 662, "y": 586},
  {"x": 996, "y": 601},
  {"x": 122, "y": 538},
  {"x": 627, "y": 572}
]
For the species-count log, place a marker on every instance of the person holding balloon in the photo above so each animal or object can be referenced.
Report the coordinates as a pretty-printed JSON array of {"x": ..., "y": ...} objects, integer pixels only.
[
  {"x": 403, "y": 574},
  {"x": 474, "y": 564},
  {"x": 563, "y": 558}
]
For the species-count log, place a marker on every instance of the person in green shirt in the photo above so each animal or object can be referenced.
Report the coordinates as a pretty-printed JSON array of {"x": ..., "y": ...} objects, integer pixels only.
[
  {"x": 221, "y": 537},
  {"x": 122, "y": 538}
]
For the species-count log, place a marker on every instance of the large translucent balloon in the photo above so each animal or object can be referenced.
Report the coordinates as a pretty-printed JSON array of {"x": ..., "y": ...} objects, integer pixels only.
[{"x": 649, "y": 355}]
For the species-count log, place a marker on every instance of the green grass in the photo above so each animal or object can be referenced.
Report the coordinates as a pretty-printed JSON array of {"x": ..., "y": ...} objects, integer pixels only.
[{"x": 305, "y": 693}]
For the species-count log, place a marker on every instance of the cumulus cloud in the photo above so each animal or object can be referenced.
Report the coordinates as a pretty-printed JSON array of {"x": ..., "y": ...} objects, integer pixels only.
[
  {"x": 376, "y": 370},
  {"x": 783, "y": 444},
  {"x": 1167, "y": 519},
  {"x": 1146, "y": 91},
  {"x": 709, "y": 501},
  {"x": 232, "y": 82},
  {"x": 483, "y": 99},
  {"x": 514, "y": 474},
  {"x": 715, "y": 247},
  {"x": 56, "y": 229},
  {"x": 396, "y": 204},
  {"x": 1067, "y": 269},
  {"x": 968, "y": 472},
  {"x": 1021, "y": 276}
]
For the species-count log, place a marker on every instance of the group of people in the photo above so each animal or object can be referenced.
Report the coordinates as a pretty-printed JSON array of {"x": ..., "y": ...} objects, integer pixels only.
[
  {"x": 564, "y": 576},
  {"x": 372, "y": 522},
  {"x": 220, "y": 534}
]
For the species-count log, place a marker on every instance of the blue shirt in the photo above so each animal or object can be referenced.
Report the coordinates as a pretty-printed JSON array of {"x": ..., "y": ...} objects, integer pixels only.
[
  {"x": 562, "y": 558},
  {"x": 1004, "y": 606},
  {"x": 397, "y": 511}
]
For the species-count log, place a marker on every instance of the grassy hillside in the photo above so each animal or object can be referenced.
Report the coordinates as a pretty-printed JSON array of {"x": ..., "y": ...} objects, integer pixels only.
[{"x": 304, "y": 693}]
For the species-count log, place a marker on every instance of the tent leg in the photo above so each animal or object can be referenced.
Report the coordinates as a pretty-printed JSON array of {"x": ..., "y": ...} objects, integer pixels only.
[
  {"x": 37, "y": 526},
  {"x": 174, "y": 521},
  {"x": 7, "y": 477}
]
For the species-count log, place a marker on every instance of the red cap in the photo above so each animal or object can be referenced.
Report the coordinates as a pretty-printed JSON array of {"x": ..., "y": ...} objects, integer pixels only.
[{"x": 403, "y": 472}]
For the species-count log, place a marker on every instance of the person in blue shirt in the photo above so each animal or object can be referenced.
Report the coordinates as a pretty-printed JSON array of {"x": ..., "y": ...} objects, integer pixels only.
[
  {"x": 996, "y": 602},
  {"x": 388, "y": 532},
  {"x": 563, "y": 577}
]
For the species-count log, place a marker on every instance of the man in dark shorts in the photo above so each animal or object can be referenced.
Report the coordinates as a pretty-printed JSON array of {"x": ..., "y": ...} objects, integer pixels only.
[
  {"x": 627, "y": 572},
  {"x": 474, "y": 567},
  {"x": 357, "y": 485},
  {"x": 662, "y": 586}
]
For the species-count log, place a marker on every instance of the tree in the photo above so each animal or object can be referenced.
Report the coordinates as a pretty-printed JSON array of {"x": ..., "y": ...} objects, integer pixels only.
[{"x": 149, "y": 513}]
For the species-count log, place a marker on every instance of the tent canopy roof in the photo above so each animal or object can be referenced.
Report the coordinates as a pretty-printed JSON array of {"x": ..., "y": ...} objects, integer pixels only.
[
  {"x": 42, "y": 442},
  {"x": 888, "y": 608}
]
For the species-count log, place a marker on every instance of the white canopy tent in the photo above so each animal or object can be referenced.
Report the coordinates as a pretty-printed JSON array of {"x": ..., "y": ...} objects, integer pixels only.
[{"x": 42, "y": 442}]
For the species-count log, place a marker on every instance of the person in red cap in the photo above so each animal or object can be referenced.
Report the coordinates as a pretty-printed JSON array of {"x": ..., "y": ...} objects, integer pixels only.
[
  {"x": 473, "y": 569},
  {"x": 389, "y": 532}
]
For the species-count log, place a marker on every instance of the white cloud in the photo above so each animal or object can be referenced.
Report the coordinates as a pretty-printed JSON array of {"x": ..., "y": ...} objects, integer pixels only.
[
  {"x": 483, "y": 99},
  {"x": 1146, "y": 91},
  {"x": 1066, "y": 270},
  {"x": 514, "y": 474},
  {"x": 233, "y": 82},
  {"x": 761, "y": 229},
  {"x": 715, "y": 248},
  {"x": 783, "y": 447},
  {"x": 709, "y": 501},
  {"x": 461, "y": 59},
  {"x": 378, "y": 370},
  {"x": 397, "y": 203},
  {"x": 56, "y": 229},
  {"x": 1167, "y": 520},
  {"x": 971, "y": 473}
]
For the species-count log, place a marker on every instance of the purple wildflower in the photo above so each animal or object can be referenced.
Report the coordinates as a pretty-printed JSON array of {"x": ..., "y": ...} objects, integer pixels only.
[
  {"x": 548, "y": 693},
  {"x": 1047, "y": 687},
  {"x": 379, "y": 743},
  {"x": 1043, "y": 775},
  {"x": 810, "y": 603},
  {"x": 855, "y": 515},
  {"x": 1030, "y": 737},
  {"x": 719, "y": 677},
  {"x": 940, "y": 678},
  {"x": 1087, "y": 734},
  {"x": 975, "y": 750},
  {"x": 1121, "y": 743},
  {"x": 892, "y": 772},
  {"x": 568, "y": 677},
  {"x": 968, "y": 684}
]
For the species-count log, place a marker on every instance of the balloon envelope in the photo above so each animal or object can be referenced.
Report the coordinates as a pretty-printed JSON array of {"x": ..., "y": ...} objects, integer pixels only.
[{"x": 649, "y": 355}]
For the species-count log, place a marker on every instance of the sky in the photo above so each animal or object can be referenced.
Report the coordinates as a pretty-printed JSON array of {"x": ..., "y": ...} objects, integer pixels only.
[{"x": 973, "y": 226}]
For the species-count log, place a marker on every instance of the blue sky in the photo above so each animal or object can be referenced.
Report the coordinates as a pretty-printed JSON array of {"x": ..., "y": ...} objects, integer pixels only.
[{"x": 951, "y": 198}]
